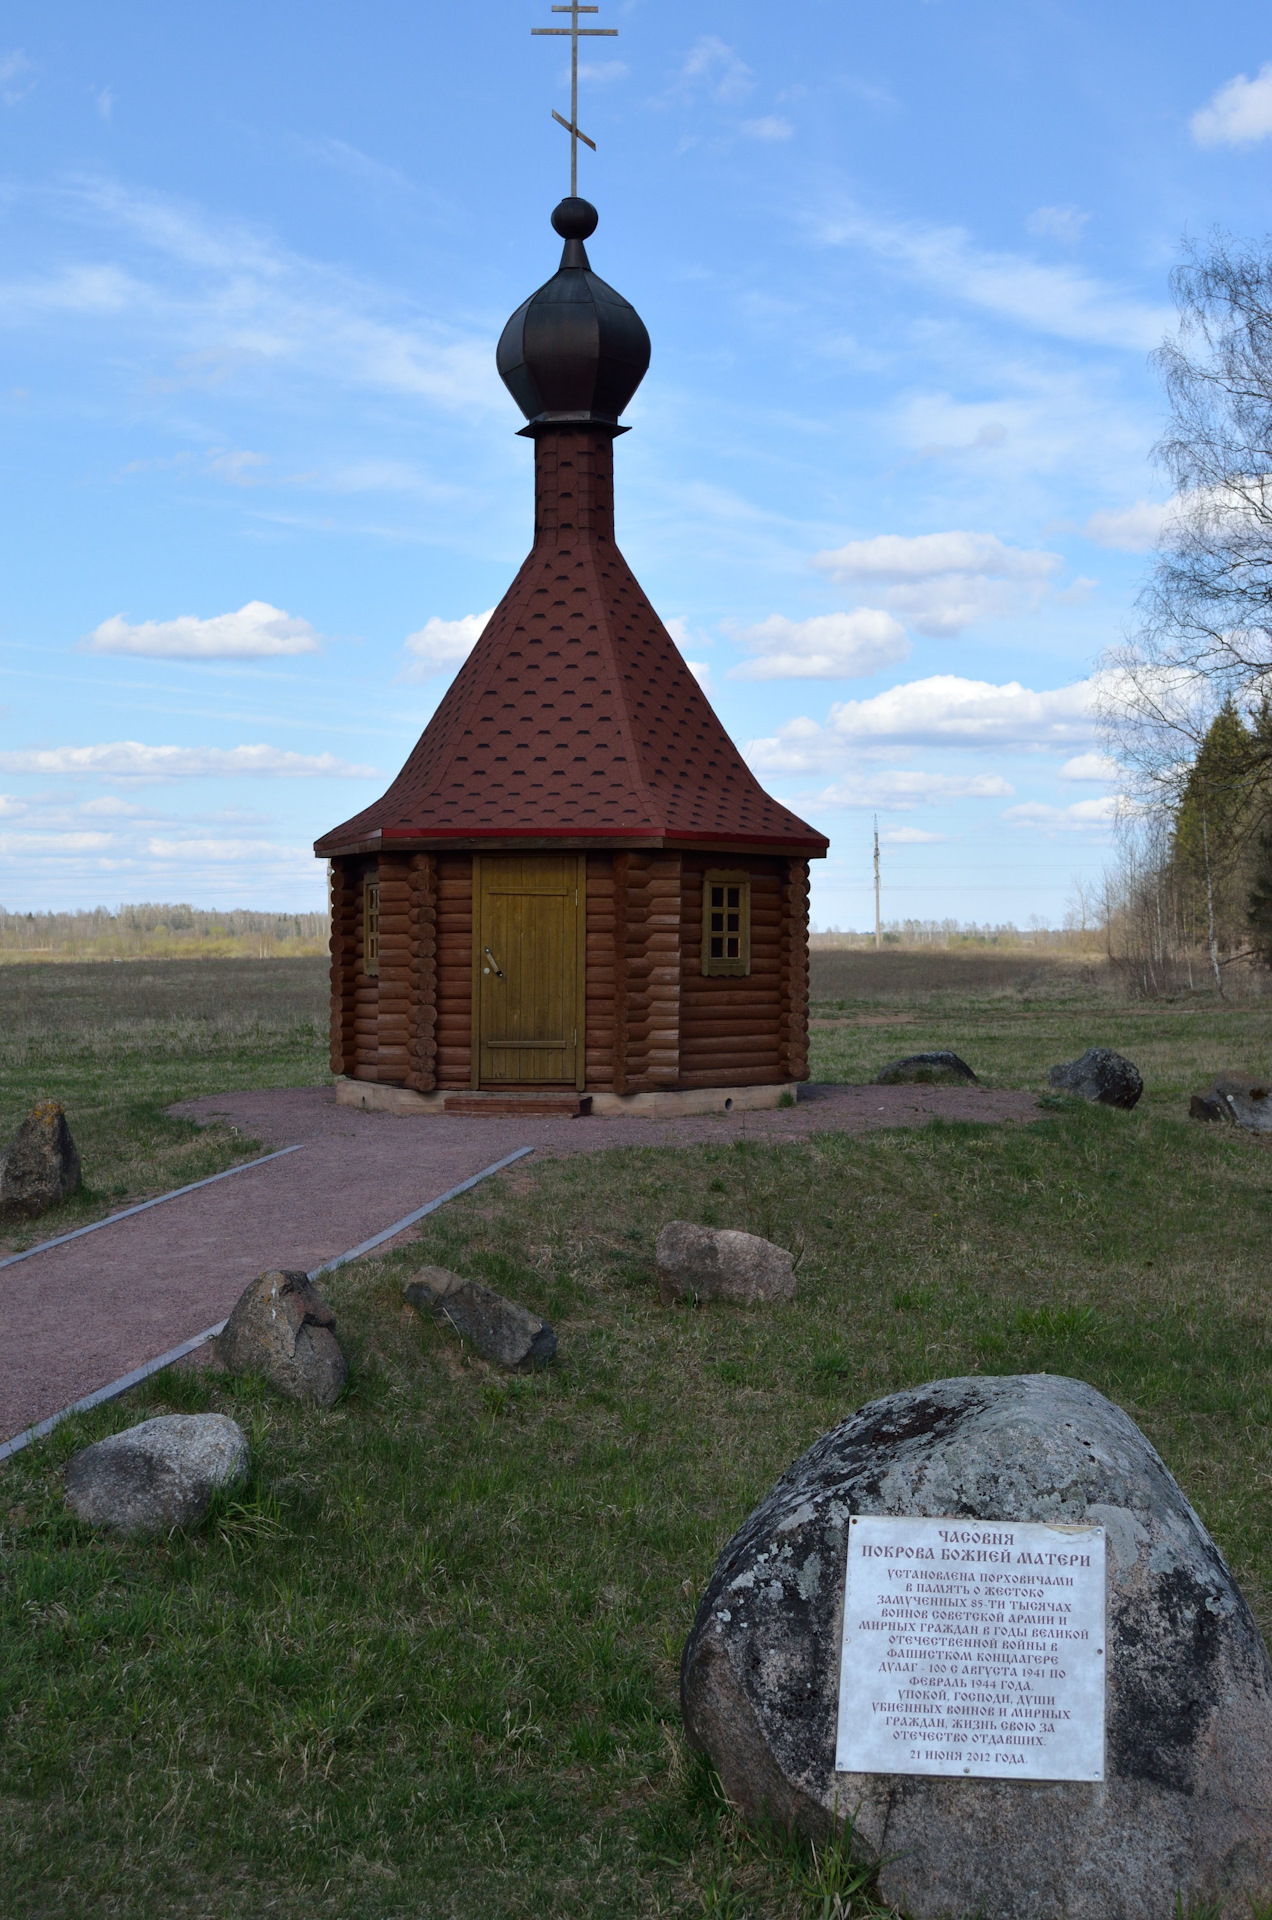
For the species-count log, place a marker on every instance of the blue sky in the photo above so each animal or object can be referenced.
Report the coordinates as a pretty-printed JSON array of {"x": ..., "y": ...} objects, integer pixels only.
[{"x": 889, "y": 480}]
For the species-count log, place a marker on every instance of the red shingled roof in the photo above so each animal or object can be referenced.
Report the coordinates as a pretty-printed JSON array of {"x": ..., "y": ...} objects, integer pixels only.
[{"x": 575, "y": 718}]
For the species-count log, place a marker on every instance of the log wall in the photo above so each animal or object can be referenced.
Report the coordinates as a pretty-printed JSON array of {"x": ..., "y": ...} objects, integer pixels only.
[
  {"x": 366, "y": 986},
  {"x": 795, "y": 968},
  {"x": 601, "y": 1023},
  {"x": 421, "y": 1070},
  {"x": 454, "y": 969},
  {"x": 652, "y": 1019},
  {"x": 345, "y": 896},
  {"x": 733, "y": 1031}
]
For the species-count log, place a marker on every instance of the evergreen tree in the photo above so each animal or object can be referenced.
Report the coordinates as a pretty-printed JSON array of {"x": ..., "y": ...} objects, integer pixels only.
[
  {"x": 1213, "y": 811},
  {"x": 1260, "y": 914}
]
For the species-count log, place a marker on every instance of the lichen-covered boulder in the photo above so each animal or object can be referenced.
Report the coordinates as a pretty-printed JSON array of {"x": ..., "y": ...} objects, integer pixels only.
[
  {"x": 927, "y": 1070},
  {"x": 282, "y": 1327},
  {"x": 506, "y": 1334},
  {"x": 157, "y": 1475},
  {"x": 721, "y": 1263},
  {"x": 1238, "y": 1099},
  {"x": 40, "y": 1165},
  {"x": 1185, "y": 1809},
  {"x": 1100, "y": 1075}
]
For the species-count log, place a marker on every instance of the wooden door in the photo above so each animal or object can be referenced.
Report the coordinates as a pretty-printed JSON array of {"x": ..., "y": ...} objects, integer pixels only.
[{"x": 528, "y": 931}]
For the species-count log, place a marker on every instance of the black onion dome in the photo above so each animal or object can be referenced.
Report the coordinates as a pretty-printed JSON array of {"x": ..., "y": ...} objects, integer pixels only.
[{"x": 575, "y": 352}]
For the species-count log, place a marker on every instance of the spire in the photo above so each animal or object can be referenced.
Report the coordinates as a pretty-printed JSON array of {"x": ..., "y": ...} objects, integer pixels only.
[
  {"x": 575, "y": 352},
  {"x": 575, "y": 721}
]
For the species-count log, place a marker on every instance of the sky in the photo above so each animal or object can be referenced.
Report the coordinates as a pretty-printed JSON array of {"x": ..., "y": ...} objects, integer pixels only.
[{"x": 890, "y": 479}]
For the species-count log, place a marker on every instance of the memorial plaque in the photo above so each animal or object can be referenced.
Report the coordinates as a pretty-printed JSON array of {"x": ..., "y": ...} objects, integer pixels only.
[{"x": 973, "y": 1648}]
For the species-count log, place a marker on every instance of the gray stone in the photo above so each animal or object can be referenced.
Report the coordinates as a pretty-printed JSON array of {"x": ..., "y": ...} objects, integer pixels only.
[
  {"x": 1185, "y": 1809},
  {"x": 1237, "y": 1099},
  {"x": 40, "y": 1165},
  {"x": 717, "y": 1263},
  {"x": 282, "y": 1327},
  {"x": 1100, "y": 1075},
  {"x": 502, "y": 1332},
  {"x": 156, "y": 1476},
  {"x": 927, "y": 1070}
]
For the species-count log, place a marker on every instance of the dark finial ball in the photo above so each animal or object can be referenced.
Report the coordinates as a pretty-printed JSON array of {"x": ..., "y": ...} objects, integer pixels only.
[{"x": 575, "y": 219}]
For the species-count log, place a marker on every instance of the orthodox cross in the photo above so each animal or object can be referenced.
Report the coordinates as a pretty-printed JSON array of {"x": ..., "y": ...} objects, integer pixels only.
[{"x": 576, "y": 33}]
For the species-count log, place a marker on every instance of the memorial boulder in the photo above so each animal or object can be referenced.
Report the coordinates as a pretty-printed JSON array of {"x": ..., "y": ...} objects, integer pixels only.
[
  {"x": 999, "y": 1753},
  {"x": 157, "y": 1475},
  {"x": 721, "y": 1263},
  {"x": 1100, "y": 1075},
  {"x": 941, "y": 1069},
  {"x": 40, "y": 1165},
  {"x": 283, "y": 1329},
  {"x": 1238, "y": 1100},
  {"x": 501, "y": 1331}
]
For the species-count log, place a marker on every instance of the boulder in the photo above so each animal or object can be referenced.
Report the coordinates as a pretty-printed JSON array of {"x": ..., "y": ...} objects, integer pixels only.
[
  {"x": 717, "y": 1263},
  {"x": 502, "y": 1332},
  {"x": 927, "y": 1070},
  {"x": 1100, "y": 1074},
  {"x": 156, "y": 1476},
  {"x": 282, "y": 1327},
  {"x": 1184, "y": 1812},
  {"x": 40, "y": 1164},
  {"x": 1238, "y": 1099}
]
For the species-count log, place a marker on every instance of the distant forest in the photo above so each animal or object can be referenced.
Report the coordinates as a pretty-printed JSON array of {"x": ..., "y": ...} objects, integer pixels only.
[{"x": 161, "y": 931}]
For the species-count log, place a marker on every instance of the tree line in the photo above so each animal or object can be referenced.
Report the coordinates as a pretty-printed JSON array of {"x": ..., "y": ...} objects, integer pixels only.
[{"x": 1186, "y": 702}]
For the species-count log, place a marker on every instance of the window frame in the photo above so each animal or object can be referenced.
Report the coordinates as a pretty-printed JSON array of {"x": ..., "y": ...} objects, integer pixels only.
[
  {"x": 724, "y": 966},
  {"x": 371, "y": 926}
]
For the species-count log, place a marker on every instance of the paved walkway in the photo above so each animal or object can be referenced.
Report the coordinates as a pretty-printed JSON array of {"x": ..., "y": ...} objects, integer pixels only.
[{"x": 81, "y": 1315}]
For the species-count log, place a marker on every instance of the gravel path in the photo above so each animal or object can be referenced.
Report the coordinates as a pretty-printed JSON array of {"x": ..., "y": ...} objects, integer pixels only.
[{"x": 82, "y": 1315}]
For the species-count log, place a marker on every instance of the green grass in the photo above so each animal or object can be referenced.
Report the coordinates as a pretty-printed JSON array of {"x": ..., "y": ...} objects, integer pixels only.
[
  {"x": 117, "y": 1043},
  {"x": 425, "y": 1663}
]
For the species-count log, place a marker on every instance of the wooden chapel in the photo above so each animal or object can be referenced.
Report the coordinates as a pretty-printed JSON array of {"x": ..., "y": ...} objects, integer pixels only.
[{"x": 575, "y": 895}]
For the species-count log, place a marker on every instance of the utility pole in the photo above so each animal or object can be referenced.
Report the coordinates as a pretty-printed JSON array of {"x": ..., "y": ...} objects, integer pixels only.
[{"x": 878, "y": 923}]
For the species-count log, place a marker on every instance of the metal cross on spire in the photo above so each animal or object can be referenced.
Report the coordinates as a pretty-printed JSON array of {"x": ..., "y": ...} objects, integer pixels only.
[{"x": 576, "y": 33}]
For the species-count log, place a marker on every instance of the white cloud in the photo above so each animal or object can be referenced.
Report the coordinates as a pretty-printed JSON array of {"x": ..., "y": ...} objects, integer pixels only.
[
  {"x": 701, "y": 671},
  {"x": 130, "y": 760},
  {"x": 1238, "y": 114},
  {"x": 770, "y": 127},
  {"x": 1134, "y": 529},
  {"x": 221, "y": 300},
  {"x": 942, "y": 582},
  {"x": 17, "y": 77},
  {"x": 1090, "y": 766},
  {"x": 943, "y": 711},
  {"x": 440, "y": 645},
  {"x": 44, "y": 843},
  {"x": 715, "y": 66},
  {"x": 1059, "y": 300},
  {"x": 1084, "y": 816},
  {"x": 601, "y": 72},
  {"x": 901, "y": 792},
  {"x": 1058, "y": 223},
  {"x": 240, "y": 469},
  {"x": 106, "y": 104},
  {"x": 911, "y": 837},
  {"x": 256, "y": 632},
  {"x": 830, "y": 646},
  {"x": 217, "y": 851}
]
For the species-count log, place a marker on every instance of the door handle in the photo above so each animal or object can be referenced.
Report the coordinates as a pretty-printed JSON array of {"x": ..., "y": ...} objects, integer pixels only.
[{"x": 493, "y": 963}]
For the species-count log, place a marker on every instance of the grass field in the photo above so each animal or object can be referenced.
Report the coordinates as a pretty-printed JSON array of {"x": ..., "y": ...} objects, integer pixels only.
[
  {"x": 117, "y": 1043},
  {"x": 425, "y": 1664}
]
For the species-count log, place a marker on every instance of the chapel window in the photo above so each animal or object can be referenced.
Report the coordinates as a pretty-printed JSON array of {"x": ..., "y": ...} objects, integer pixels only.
[
  {"x": 371, "y": 927},
  {"x": 726, "y": 923}
]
